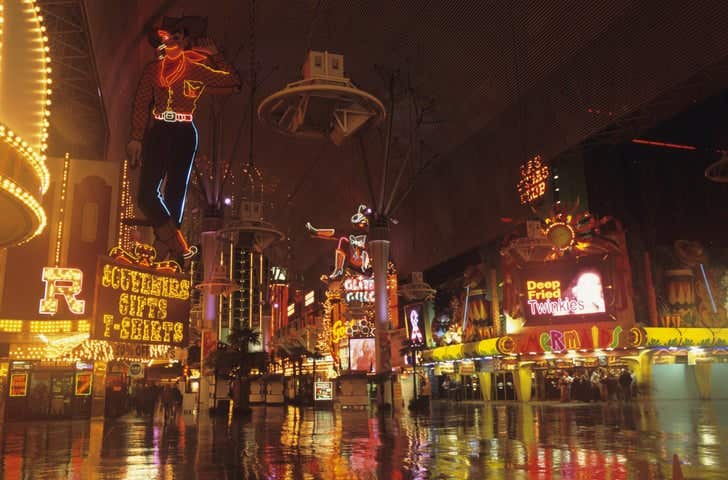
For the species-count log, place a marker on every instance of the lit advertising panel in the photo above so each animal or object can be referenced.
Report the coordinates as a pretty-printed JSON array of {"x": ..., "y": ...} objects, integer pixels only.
[
  {"x": 415, "y": 321},
  {"x": 84, "y": 380},
  {"x": 18, "y": 385},
  {"x": 323, "y": 391},
  {"x": 567, "y": 291},
  {"x": 361, "y": 351},
  {"x": 137, "y": 305}
]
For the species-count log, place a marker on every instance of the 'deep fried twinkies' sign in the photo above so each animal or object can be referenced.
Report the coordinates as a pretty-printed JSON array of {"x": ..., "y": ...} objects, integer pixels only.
[
  {"x": 140, "y": 305},
  {"x": 565, "y": 291}
]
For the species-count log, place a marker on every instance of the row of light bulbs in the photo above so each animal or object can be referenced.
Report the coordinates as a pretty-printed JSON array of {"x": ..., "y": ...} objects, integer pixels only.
[{"x": 36, "y": 159}]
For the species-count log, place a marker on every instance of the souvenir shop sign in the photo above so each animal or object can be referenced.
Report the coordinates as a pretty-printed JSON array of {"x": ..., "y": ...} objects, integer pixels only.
[{"x": 138, "y": 305}]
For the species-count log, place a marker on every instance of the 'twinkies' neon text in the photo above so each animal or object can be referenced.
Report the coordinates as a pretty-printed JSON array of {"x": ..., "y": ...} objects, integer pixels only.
[{"x": 555, "y": 307}]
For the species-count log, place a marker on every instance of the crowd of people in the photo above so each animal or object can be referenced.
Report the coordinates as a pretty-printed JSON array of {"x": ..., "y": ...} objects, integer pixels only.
[
  {"x": 147, "y": 399},
  {"x": 600, "y": 385}
]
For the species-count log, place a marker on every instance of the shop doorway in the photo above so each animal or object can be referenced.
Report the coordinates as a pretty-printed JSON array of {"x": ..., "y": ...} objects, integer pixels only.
[
  {"x": 61, "y": 395},
  {"x": 503, "y": 386}
]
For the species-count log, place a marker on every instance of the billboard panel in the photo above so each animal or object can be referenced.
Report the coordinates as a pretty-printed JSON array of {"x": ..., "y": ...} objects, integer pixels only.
[
  {"x": 361, "y": 351},
  {"x": 137, "y": 305},
  {"x": 563, "y": 292}
]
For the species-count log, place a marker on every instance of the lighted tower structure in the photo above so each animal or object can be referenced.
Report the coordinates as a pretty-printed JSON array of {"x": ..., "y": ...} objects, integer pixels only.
[{"x": 247, "y": 239}]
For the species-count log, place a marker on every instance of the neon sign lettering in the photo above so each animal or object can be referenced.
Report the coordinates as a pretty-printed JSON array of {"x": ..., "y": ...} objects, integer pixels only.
[
  {"x": 559, "y": 341},
  {"x": 584, "y": 295},
  {"x": 359, "y": 289},
  {"x": 551, "y": 307},
  {"x": 64, "y": 282},
  {"x": 532, "y": 184},
  {"x": 140, "y": 306}
]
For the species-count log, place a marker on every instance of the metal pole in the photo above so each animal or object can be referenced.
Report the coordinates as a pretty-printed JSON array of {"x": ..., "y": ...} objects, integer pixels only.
[
  {"x": 379, "y": 248},
  {"x": 202, "y": 369},
  {"x": 414, "y": 372}
]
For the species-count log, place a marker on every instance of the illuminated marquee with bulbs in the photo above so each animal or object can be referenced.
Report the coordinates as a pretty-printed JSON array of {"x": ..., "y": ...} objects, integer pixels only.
[
  {"x": 532, "y": 185},
  {"x": 62, "y": 282},
  {"x": 140, "y": 305}
]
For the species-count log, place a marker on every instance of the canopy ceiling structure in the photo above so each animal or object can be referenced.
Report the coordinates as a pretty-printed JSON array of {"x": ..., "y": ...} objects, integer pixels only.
[{"x": 506, "y": 80}]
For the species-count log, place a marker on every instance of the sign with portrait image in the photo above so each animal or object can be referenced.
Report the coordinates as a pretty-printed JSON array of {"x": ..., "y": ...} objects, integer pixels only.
[
  {"x": 566, "y": 291},
  {"x": 362, "y": 354}
]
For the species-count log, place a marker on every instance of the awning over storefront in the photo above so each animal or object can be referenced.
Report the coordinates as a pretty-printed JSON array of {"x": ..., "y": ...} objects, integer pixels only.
[
  {"x": 645, "y": 337},
  {"x": 685, "y": 337},
  {"x": 482, "y": 348}
]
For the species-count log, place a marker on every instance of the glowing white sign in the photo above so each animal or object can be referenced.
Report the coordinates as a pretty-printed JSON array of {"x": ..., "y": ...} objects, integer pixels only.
[
  {"x": 309, "y": 298},
  {"x": 359, "y": 289},
  {"x": 583, "y": 296}
]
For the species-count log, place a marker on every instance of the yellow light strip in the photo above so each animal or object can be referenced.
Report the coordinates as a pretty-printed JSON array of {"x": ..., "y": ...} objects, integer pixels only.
[
  {"x": 2, "y": 25},
  {"x": 11, "y": 326},
  {"x": 51, "y": 326},
  {"x": 36, "y": 160},
  {"x": 124, "y": 239},
  {"x": 59, "y": 230},
  {"x": 29, "y": 200}
]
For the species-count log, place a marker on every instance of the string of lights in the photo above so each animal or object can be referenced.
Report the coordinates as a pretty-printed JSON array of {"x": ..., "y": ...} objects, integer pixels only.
[
  {"x": 61, "y": 210},
  {"x": 28, "y": 200}
]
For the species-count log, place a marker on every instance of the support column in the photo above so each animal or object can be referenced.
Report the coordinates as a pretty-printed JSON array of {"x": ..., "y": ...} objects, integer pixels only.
[
  {"x": 485, "y": 379},
  {"x": 702, "y": 379},
  {"x": 98, "y": 397},
  {"x": 650, "y": 292},
  {"x": 495, "y": 303},
  {"x": 4, "y": 386},
  {"x": 379, "y": 250},
  {"x": 210, "y": 300},
  {"x": 522, "y": 380}
]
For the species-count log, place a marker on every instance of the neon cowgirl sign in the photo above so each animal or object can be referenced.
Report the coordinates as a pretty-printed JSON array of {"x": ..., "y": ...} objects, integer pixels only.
[{"x": 359, "y": 289}]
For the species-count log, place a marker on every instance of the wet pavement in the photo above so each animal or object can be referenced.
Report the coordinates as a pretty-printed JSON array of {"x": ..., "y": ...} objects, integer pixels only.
[{"x": 455, "y": 441}]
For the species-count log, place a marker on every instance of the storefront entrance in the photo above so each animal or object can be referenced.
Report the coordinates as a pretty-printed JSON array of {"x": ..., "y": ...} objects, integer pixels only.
[
  {"x": 48, "y": 391},
  {"x": 502, "y": 386}
]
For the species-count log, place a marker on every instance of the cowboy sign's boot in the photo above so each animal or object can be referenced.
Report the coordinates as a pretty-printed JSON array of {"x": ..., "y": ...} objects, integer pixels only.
[{"x": 339, "y": 265}]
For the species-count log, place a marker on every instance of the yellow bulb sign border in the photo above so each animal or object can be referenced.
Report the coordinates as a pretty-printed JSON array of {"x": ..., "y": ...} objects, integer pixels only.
[{"x": 140, "y": 305}]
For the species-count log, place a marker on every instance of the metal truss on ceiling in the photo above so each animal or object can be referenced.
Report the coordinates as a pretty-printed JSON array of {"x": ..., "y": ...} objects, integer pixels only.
[
  {"x": 76, "y": 87},
  {"x": 700, "y": 86}
]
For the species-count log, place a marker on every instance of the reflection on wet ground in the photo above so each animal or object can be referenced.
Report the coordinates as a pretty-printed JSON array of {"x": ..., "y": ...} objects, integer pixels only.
[{"x": 457, "y": 441}]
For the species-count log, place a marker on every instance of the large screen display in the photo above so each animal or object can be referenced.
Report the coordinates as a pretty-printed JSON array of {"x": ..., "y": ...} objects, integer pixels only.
[
  {"x": 361, "y": 351},
  {"x": 564, "y": 291}
]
